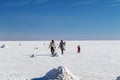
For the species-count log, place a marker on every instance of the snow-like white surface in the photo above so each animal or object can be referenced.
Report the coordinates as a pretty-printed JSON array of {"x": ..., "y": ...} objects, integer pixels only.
[
  {"x": 60, "y": 73},
  {"x": 98, "y": 60}
]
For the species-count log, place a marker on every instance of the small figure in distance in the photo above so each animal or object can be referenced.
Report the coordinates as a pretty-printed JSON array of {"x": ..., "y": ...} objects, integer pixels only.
[
  {"x": 78, "y": 49},
  {"x": 19, "y": 44},
  {"x": 36, "y": 47},
  {"x": 52, "y": 46},
  {"x": 62, "y": 46}
]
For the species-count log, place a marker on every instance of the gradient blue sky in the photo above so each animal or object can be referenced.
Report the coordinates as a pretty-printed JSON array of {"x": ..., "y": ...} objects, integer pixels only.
[{"x": 60, "y": 19}]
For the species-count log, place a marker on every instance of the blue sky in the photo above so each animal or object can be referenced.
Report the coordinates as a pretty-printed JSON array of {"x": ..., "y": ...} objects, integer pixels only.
[{"x": 59, "y": 19}]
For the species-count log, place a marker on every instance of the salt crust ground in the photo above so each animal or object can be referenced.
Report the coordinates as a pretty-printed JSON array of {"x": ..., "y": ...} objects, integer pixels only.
[{"x": 98, "y": 60}]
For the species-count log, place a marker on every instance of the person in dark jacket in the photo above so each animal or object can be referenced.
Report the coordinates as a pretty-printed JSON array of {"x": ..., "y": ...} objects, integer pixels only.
[{"x": 62, "y": 46}]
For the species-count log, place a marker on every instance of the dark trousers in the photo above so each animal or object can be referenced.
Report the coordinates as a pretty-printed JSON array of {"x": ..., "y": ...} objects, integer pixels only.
[
  {"x": 62, "y": 50},
  {"x": 78, "y": 50},
  {"x": 52, "y": 50}
]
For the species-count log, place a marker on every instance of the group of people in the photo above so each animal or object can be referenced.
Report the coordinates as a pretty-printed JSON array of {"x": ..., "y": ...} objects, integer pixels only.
[
  {"x": 62, "y": 44},
  {"x": 52, "y": 46}
]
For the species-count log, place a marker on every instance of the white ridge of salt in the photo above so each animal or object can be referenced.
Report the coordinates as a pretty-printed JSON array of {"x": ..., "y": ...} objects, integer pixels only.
[{"x": 61, "y": 73}]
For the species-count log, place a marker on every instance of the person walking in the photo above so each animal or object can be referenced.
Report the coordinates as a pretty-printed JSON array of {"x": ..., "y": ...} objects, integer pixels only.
[
  {"x": 78, "y": 49},
  {"x": 52, "y": 47},
  {"x": 62, "y": 46}
]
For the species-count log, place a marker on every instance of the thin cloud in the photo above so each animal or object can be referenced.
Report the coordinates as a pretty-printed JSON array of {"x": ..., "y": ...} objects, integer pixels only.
[
  {"x": 85, "y": 2},
  {"x": 113, "y": 3},
  {"x": 40, "y": 1},
  {"x": 47, "y": 3},
  {"x": 56, "y": 3},
  {"x": 69, "y": 3},
  {"x": 22, "y": 2},
  {"x": 14, "y": 4}
]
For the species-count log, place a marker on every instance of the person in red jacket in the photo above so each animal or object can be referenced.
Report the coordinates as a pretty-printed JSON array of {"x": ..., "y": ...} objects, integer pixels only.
[{"x": 78, "y": 49}]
